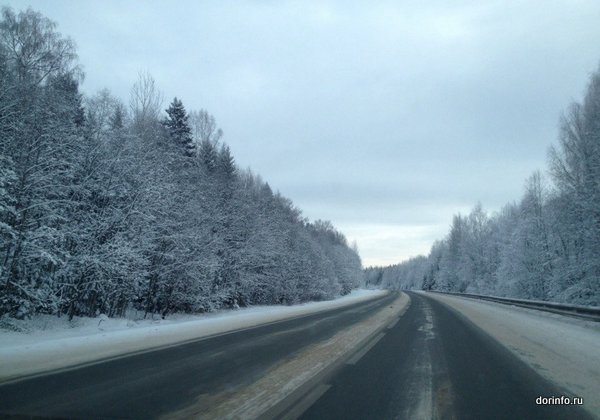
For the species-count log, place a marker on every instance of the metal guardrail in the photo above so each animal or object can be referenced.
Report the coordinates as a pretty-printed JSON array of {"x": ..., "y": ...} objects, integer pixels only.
[{"x": 591, "y": 313}]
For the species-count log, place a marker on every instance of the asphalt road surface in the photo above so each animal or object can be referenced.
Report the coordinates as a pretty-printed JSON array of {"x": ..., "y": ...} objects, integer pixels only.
[
  {"x": 155, "y": 383},
  {"x": 434, "y": 363}
]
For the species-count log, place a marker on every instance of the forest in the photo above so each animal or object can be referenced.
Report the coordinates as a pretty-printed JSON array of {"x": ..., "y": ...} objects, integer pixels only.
[
  {"x": 107, "y": 207},
  {"x": 546, "y": 246}
]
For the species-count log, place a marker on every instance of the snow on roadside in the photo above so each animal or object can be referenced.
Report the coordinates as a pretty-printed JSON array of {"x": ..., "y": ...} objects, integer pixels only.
[
  {"x": 563, "y": 349},
  {"x": 53, "y": 343}
]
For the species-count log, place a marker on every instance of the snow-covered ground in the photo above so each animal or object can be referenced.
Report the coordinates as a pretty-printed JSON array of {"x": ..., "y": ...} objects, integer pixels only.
[
  {"x": 563, "y": 349},
  {"x": 48, "y": 342}
]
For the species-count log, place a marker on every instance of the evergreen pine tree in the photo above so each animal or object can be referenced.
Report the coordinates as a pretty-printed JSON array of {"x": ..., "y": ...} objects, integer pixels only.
[
  {"x": 117, "y": 119},
  {"x": 226, "y": 163},
  {"x": 177, "y": 125},
  {"x": 207, "y": 155}
]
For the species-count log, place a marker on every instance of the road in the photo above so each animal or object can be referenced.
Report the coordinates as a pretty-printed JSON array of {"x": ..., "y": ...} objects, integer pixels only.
[
  {"x": 435, "y": 363},
  {"x": 432, "y": 363},
  {"x": 156, "y": 383}
]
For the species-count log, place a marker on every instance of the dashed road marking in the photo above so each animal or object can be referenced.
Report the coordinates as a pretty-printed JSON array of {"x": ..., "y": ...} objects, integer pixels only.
[
  {"x": 393, "y": 324},
  {"x": 354, "y": 359},
  {"x": 308, "y": 400}
]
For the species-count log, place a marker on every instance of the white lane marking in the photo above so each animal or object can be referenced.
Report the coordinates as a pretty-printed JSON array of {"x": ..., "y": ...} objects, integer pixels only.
[
  {"x": 354, "y": 359},
  {"x": 305, "y": 403},
  {"x": 393, "y": 324}
]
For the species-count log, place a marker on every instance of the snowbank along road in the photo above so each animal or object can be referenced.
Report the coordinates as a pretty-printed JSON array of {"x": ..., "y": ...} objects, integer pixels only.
[
  {"x": 426, "y": 357},
  {"x": 54, "y": 344},
  {"x": 201, "y": 377}
]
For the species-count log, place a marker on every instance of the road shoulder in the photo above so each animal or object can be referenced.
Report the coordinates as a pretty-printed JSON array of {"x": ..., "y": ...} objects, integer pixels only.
[
  {"x": 561, "y": 349},
  {"x": 28, "y": 355}
]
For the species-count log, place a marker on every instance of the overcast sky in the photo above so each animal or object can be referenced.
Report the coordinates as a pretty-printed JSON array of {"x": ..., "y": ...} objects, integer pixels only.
[{"x": 386, "y": 119}]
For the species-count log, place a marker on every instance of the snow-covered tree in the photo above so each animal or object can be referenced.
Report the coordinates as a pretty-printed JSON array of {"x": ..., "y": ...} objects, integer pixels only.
[
  {"x": 575, "y": 168},
  {"x": 178, "y": 127},
  {"x": 101, "y": 212},
  {"x": 204, "y": 127},
  {"x": 145, "y": 103},
  {"x": 40, "y": 110}
]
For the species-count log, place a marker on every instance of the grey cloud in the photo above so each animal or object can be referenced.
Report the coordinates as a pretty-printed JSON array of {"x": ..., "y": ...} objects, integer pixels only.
[{"x": 359, "y": 113}]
